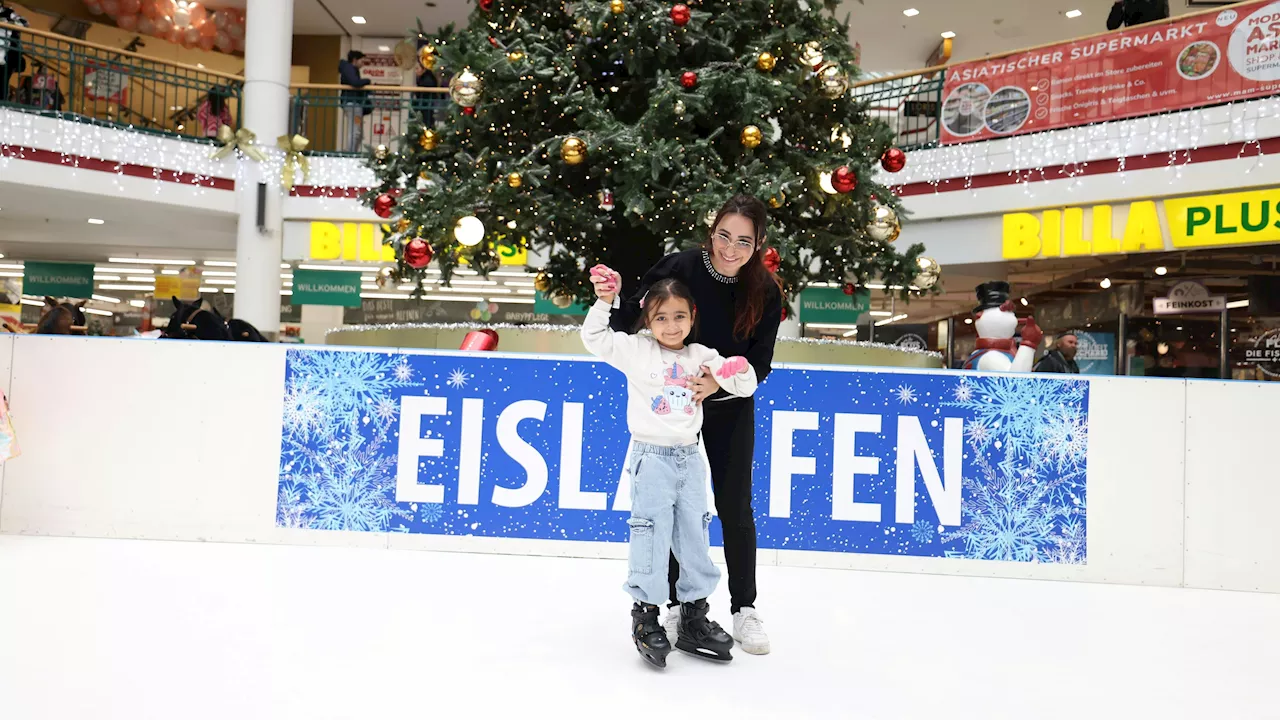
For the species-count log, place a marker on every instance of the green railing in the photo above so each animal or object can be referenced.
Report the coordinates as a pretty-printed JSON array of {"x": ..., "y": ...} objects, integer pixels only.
[
  {"x": 908, "y": 103},
  {"x": 65, "y": 77},
  {"x": 341, "y": 121}
]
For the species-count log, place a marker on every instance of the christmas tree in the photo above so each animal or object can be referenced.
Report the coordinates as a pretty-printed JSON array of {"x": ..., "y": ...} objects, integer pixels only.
[{"x": 610, "y": 131}]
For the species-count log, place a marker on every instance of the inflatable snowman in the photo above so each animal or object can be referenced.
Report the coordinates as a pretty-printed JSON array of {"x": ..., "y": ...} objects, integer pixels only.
[{"x": 997, "y": 350}]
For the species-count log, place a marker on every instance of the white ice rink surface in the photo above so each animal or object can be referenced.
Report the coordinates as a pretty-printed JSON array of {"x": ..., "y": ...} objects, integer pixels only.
[{"x": 122, "y": 629}]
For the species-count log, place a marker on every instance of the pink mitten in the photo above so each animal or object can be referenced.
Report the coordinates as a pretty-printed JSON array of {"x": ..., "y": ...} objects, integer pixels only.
[
  {"x": 731, "y": 367},
  {"x": 609, "y": 276}
]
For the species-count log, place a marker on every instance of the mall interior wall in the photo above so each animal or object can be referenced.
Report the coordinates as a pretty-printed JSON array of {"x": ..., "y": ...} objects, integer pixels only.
[{"x": 181, "y": 441}]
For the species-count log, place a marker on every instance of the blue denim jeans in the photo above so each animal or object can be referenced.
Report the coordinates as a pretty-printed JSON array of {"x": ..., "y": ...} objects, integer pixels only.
[{"x": 669, "y": 515}]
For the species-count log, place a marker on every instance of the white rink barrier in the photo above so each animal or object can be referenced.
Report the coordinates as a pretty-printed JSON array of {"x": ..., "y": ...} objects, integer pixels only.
[{"x": 878, "y": 469}]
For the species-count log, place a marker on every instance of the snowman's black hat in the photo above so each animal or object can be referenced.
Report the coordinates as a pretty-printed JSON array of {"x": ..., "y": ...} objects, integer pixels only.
[{"x": 991, "y": 295}]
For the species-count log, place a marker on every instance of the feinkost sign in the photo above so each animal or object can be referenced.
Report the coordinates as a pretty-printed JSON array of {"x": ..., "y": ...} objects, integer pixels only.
[
  {"x": 1208, "y": 58},
  {"x": 1242, "y": 218}
]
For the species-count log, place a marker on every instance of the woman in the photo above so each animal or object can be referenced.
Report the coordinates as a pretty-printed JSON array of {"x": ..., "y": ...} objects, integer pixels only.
[{"x": 739, "y": 306}]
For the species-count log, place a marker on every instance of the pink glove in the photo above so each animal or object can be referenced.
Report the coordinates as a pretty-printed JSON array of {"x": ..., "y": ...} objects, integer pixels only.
[
  {"x": 609, "y": 276},
  {"x": 731, "y": 367}
]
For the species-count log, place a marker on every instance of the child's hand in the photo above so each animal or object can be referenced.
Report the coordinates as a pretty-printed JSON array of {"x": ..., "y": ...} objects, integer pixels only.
[
  {"x": 732, "y": 366},
  {"x": 606, "y": 283}
]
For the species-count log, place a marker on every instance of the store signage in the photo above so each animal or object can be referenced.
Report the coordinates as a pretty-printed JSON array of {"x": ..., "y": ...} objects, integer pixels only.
[
  {"x": 831, "y": 305},
  {"x": 184, "y": 286},
  {"x": 911, "y": 341},
  {"x": 1189, "y": 297},
  {"x": 1196, "y": 61},
  {"x": 326, "y": 287},
  {"x": 1242, "y": 218},
  {"x": 1265, "y": 353},
  {"x": 70, "y": 280},
  {"x": 1095, "y": 353},
  {"x": 362, "y": 242}
]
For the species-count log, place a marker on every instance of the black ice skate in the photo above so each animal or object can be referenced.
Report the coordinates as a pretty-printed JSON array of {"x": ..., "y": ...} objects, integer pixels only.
[
  {"x": 648, "y": 634},
  {"x": 700, "y": 636}
]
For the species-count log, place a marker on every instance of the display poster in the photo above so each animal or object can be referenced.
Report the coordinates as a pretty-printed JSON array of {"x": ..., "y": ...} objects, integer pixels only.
[
  {"x": 109, "y": 83},
  {"x": 1203, "y": 59},
  {"x": 1096, "y": 353},
  {"x": 927, "y": 464},
  {"x": 11, "y": 304}
]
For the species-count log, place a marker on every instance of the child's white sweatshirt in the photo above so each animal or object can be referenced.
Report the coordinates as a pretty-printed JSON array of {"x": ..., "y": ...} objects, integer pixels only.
[{"x": 660, "y": 406}]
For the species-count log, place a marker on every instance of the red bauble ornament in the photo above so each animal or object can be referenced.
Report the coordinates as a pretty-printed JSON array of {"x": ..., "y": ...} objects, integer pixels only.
[
  {"x": 680, "y": 14},
  {"x": 468, "y": 111},
  {"x": 493, "y": 41},
  {"x": 689, "y": 79},
  {"x": 893, "y": 160},
  {"x": 486, "y": 5},
  {"x": 849, "y": 289},
  {"x": 772, "y": 260},
  {"x": 844, "y": 180},
  {"x": 417, "y": 254},
  {"x": 383, "y": 205},
  {"x": 784, "y": 313},
  {"x": 485, "y": 340}
]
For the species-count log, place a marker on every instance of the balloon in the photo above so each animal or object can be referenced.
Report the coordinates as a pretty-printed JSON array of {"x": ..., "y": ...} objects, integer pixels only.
[
  {"x": 93, "y": 7},
  {"x": 220, "y": 18},
  {"x": 163, "y": 26},
  {"x": 111, "y": 7},
  {"x": 206, "y": 43},
  {"x": 130, "y": 7},
  {"x": 224, "y": 42},
  {"x": 146, "y": 25},
  {"x": 236, "y": 31},
  {"x": 190, "y": 36},
  {"x": 127, "y": 22},
  {"x": 239, "y": 44},
  {"x": 149, "y": 9},
  {"x": 175, "y": 36},
  {"x": 198, "y": 14}
]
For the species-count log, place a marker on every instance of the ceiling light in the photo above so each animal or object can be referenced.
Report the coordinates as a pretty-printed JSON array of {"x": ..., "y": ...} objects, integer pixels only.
[
  {"x": 139, "y": 278},
  {"x": 1162, "y": 270},
  {"x": 1179, "y": 327},
  {"x": 513, "y": 301},
  {"x": 6, "y": 266},
  {"x": 1074, "y": 14},
  {"x": 1024, "y": 302},
  {"x": 94, "y": 311},
  {"x": 893, "y": 319},
  {"x": 139, "y": 288},
  {"x": 968, "y": 321},
  {"x": 33, "y": 303},
  {"x": 224, "y": 263},
  {"x": 911, "y": 12},
  {"x": 138, "y": 303},
  {"x": 98, "y": 277},
  {"x": 1237, "y": 304},
  {"x": 948, "y": 34},
  {"x": 358, "y": 19},
  {"x": 11, "y": 274},
  {"x": 149, "y": 261},
  {"x": 384, "y": 48},
  {"x": 97, "y": 221},
  {"x": 1106, "y": 283},
  {"x": 880, "y": 313},
  {"x": 351, "y": 268}
]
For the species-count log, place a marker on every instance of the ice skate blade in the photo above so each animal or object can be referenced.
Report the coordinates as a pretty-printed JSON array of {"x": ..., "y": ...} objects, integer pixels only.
[
  {"x": 655, "y": 658},
  {"x": 691, "y": 648}
]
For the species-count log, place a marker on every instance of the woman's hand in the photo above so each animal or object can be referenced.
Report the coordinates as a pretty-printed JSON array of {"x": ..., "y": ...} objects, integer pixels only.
[
  {"x": 704, "y": 386},
  {"x": 606, "y": 283}
]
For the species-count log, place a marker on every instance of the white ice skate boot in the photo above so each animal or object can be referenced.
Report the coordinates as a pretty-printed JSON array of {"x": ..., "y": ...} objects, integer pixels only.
[
  {"x": 671, "y": 622},
  {"x": 748, "y": 630}
]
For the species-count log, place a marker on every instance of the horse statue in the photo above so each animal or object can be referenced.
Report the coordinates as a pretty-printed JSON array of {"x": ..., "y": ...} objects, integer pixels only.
[
  {"x": 191, "y": 321},
  {"x": 62, "y": 318}
]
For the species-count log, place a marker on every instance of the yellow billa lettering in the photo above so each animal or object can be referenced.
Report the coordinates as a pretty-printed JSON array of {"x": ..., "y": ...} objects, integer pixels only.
[
  {"x": 326, "y": 241},
  {"x": 1021, "y": 236},
  {"x": 1142, "y": 231},
  {"x": 1073, "y": 240},
  {"x": 1051, "y": 233},
  {"x": 1104, "y": 242}
]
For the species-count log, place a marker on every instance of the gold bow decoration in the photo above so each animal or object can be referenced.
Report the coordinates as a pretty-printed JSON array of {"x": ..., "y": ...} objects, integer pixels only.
[
  {"x": 293, "y": 147},
  {"x": 241, "y": 139}
]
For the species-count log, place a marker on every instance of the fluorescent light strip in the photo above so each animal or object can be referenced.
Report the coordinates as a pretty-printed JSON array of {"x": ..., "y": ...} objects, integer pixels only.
[
  {"x": 8, "y": 266},
  {"x": 880, "y": 313},
  {"x": 1237, "y": 304},
  {"x": 219, "y": 281},
  {"x": 170, "y": 272},
  {"x": 138, "y": 303},
  {"x": 139, "y": 278},
  {"x": 139, "y": 288},
  {"x": 346, "y": 268},
  {"x": 286, "y": 292},
  {"x": 216, "y": 273},
  {"x": 105, "y": 277},
  {"x": 836, "y": 326},
  {"x": 150, "y": 261},
  {"x": 125, "y": 271},
  {"x": 219, "y": 263},
  {"x": 512, "y": 301},
  {"x": 32, "y": 303},
  {"x": 105, "y": 299},
  {"x": 893, "y": 319},
  {"x": 10, "y": 274},
  {"x": 208, "y": 289},
  {"x": 95, "y": 311}
]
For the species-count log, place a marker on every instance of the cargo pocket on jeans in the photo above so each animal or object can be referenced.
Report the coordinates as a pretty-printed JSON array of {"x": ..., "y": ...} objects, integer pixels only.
[
  {"x": 706, "y": 528},
  {"x": 640, "y": 554}
]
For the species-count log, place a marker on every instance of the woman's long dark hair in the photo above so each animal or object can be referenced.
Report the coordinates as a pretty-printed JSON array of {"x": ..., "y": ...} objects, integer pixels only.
[{"x": 755, "y": 278}]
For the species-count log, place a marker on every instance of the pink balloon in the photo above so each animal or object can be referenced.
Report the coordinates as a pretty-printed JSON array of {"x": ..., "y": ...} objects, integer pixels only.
[
  {"x": 111, "y": 7},
  {"x": 127, "y": 22},
  {"x": 93, "y": 7},
  {"x": 190, "y": 36},
  {"x": 239, "y": 44},
  {"x": 236, "y": 31},
  {"x": 130, "y": 7},
  {"x": 223, "y": 41},
  {"x": 163, "y": 26},
  {"x": 221, "y": 17},
  {"x": 206, "y": 42},
  {"x": 146, "y": 25},
  {"x": 198, "y": 14},
  {"x": 175, "y": 36},
  {"x": 149, "y": 9},
  {"x": 208, "y": 30}
]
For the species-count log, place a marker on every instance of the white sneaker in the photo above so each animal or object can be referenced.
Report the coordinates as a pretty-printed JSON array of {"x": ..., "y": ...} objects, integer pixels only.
[
  {"x": 748, "y": 630},
  {"x": 671, "y": 623}
]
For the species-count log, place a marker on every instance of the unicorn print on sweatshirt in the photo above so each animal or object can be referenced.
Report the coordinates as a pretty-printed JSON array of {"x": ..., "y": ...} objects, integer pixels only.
[{"x": 676, "y": 395}]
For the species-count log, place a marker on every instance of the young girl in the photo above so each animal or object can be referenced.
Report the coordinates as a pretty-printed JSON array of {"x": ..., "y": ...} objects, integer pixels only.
[{"x": 668, "y": 477}]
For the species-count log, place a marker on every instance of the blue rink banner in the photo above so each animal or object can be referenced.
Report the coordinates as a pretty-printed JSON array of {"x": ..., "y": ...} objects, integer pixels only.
[{"x": 929, "y": 464}]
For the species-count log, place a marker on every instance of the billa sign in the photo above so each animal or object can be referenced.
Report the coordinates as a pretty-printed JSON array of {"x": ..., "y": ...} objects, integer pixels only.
[
  {"x": 1195, "y": 61},
  {"x": 361, "y": 242},
  {"x": 1243, "y": 218}
]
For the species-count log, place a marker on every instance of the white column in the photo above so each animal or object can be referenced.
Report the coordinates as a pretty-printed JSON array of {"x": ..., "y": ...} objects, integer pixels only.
[{"x": 265, "y": 110}]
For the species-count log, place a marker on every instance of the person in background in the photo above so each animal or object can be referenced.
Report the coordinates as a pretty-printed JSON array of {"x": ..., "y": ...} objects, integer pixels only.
[
  {"x": 213, "y": 113},
  {"x": 1061, "y": 358},
  {"x": 11, "y": 60},
  {"x": 1127, "y": 13},
  {"x": 355, "y": 102},
  {"x": 424, "y": 102}
]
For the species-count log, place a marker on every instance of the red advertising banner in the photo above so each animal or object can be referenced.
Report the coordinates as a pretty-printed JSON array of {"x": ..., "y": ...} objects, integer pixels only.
[{"x": 1200, "y": 60}]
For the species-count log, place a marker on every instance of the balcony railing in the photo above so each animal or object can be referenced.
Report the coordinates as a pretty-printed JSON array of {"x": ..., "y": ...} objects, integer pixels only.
[
  {"x": 65, "y": 77},
  {"x": 339, "y": 120},
  {"x": 910, "y": 103}
]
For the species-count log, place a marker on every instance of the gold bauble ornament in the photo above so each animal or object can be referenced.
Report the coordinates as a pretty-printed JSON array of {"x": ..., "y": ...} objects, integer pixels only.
[
  {"x": 832, "y": 82},
  {"x": 541, "y": 283},
  {"x": 429, "y": 140},
  {"x": 679, "y": 108},
  {"x": 427, "y": 56},
  {"x": 751, "y": 137},
  {"x": 765, "y": 61},
  {"x": 385, "y": 278},
  {"x": 777, "y": 201},
  {"x": 514, "y": 180},
  {"x": 403, "y": 224},
  {"x": 811, "y": 54},
  {"x": 465, "y": 88},
  {"x": 561, "y": 299},
  {"x": 515, "y": 56},
  {"x": 884, "y": 225},
  {"x": 382, "y": 152},
  {"x": 573, "y": 150},
  {"x": 930, "y": 271},
  {"x": 617, "y": 7}
]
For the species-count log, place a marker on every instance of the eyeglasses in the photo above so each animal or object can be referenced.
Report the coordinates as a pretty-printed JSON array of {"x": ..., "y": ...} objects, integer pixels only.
[{"x": 723, "y": 240}]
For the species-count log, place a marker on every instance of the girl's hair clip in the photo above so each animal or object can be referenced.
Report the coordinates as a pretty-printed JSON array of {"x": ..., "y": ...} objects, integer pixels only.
[{"x": 642, "y": 300}]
